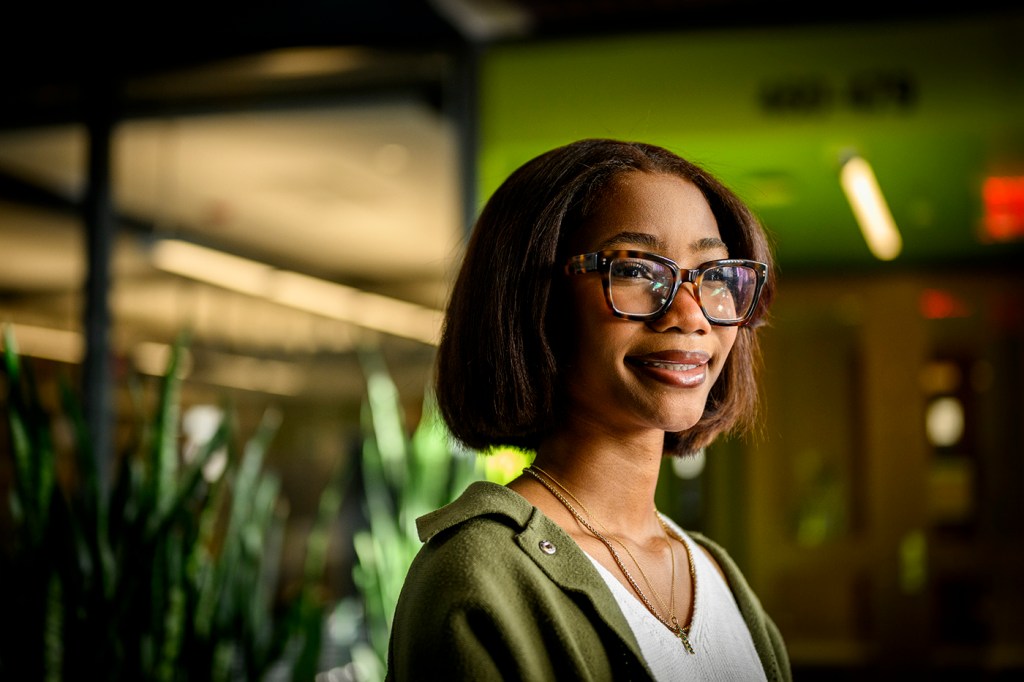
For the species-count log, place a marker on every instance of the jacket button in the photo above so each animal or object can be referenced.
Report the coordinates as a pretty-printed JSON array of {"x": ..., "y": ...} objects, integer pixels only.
[{"x": 547, "y": 547}]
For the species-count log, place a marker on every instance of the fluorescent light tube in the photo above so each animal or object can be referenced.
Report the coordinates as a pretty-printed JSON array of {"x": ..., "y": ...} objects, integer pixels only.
[
  {"x": 296, "y": 290},
  {"x": 870, "y": 209},
  {"x": 47, "y": 343}
]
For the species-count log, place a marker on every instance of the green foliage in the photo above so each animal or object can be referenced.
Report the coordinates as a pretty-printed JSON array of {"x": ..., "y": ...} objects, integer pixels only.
[
  {"x": 405, "y": 475},
  {"x": 167, "y": 576}
]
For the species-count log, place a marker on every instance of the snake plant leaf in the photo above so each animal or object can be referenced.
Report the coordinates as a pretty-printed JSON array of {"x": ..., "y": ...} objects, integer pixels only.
[
  {"x": 166, "y": 613},
  {"x": 223, "y": 661},
  {"x": 400, "y": 484},
  {"x": 90, "y": 506},
  {"x": 88, "y": 489},
  {"x": 318, "y": 540},
  {"x": 185, "y": 490},
  {"x": 379, "y": 500},
  {"x": 268, "y": 646},
  {"x": 368, "y": 664},
  {"x": 203, "y": 565},
  {"x": 161, "y": 577},
  {"x": 34, "y": 467},
  {"x": 309, "y": 628},
  {"x": 429, "y": 465},
  {"x": 387, "y": 417},
  {"x": 174, "y": 627},
  {"x": 125, "y": 499},
  {"x": 308, "y": 612},
  {"x": 244, "y": 505},
  {"x": 247, "y": 480},
  {"x": 261, "y": 517},
  {"x": 164, "y": 448},
  {"x": 253, "y": 598},
  {"x": 368, "y": 577},
  {"x": 11, "y": 355},
  {"x": 23, "y": 503}
]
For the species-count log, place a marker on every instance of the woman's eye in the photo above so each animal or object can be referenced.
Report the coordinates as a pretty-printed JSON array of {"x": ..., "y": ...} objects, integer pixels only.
[{"x": 633, "y": 271}]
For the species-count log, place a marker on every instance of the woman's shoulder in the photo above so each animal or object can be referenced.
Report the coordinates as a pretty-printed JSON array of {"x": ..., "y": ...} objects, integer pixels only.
[
  {"x": 498, "y": 582},
  {"x": 481, "y": 499},
  {"x": 491, "y": 536},
  {"x": 471, "y": 540},
  {"x": 492, "y": 552},
  {"x": 491, "y": 529}
]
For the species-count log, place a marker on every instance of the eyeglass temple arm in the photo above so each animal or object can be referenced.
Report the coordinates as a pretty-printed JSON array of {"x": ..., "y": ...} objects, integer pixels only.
[{"x": 580, "y": 264}]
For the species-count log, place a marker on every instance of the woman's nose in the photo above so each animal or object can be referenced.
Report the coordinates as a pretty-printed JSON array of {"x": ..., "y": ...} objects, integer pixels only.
[{"x": 684, "y": 313}]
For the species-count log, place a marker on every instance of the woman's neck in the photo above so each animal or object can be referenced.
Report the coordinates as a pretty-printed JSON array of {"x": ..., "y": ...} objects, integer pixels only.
[{"x": 613, "y": 479}]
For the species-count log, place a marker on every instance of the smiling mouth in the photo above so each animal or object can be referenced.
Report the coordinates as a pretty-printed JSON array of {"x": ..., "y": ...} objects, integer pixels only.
[
  {"x": 681, "y": 369},
  {"x": 671, "y": 366}
]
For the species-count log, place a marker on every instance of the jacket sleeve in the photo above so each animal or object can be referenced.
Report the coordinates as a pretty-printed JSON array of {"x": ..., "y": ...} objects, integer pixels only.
[{"x": 439, "y": 635}]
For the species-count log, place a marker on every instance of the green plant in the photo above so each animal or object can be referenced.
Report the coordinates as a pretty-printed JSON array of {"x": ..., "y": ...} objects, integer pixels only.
[
  {"x": 167, "y": 576},
  {"x": 406, "y": 473}
]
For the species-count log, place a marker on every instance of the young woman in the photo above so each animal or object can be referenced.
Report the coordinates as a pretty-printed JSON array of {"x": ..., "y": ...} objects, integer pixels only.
[{"x": 605, "y": 318}]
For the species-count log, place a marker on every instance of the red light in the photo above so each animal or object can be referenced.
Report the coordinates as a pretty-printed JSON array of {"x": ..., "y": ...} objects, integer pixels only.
[
  {"x": 941, "y": 305},
  {"x": 1004, "y": 208}
]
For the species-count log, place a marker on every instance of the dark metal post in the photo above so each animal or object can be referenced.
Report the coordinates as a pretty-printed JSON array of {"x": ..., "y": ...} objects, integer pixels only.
[
  {"x": 98, "y": 217},
  {"x": 465, "y": 112}
]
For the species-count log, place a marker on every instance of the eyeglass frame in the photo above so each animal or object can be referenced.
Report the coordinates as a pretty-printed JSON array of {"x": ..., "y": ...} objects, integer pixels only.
[{"x": 600, "y": 261}]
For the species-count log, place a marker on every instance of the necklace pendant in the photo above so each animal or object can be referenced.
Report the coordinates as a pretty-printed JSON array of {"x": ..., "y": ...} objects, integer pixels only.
[{"x": 681, "y": 634}]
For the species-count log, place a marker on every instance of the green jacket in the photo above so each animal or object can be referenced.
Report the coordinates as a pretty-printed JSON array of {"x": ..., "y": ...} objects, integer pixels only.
[{"x": 483, "y": 600}]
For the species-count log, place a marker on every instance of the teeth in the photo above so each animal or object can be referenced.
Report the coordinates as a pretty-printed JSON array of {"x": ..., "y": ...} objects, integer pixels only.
[{"x": 672, "y": 366}]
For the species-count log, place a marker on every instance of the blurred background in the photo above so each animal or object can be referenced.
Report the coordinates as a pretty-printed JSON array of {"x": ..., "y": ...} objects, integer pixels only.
[{"x": 293, "y": 183}]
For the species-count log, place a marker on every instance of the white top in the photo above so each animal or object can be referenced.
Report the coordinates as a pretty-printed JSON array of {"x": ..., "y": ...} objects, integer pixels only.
[{"x": 721, "y": 641}]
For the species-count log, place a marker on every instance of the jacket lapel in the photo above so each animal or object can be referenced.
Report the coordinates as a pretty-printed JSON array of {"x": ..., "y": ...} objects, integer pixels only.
[{"x": 544, "y": 541}]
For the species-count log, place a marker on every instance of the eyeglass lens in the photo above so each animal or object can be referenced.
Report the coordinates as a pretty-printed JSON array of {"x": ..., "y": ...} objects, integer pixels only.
[{"x": 638, "y": 286}]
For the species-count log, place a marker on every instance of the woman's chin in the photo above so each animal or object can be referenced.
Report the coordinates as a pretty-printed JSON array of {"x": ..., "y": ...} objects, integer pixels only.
[{"x": 680, "y": 425}]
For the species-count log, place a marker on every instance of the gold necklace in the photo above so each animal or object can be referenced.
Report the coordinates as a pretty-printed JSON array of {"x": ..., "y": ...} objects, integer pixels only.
[
  {"x": 657, "y": 595},
  {"x": 671, "y": 622}
]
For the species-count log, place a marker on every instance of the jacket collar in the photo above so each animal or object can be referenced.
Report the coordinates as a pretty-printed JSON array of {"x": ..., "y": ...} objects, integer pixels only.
[
  {"x": 480, "y": 498},
  {"x": 567, "y": 566}
]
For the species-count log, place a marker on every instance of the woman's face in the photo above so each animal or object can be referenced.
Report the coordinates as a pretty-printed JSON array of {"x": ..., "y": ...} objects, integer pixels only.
[{"x": 626, "y": 376}]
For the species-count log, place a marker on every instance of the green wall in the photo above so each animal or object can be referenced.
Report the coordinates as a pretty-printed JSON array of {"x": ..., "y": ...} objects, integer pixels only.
[{"x": 935, "y": 107}]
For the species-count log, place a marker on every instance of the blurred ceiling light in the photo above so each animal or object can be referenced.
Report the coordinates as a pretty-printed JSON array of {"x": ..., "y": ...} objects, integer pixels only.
[
  {"x": 936, "y": 304},
  {"x": 310, "y": 61},
  {"x": 1004, "y": 207},
  {"x": 944, "y": 421},
  {"x": 211, "y": 266},
  {"x": 284, "y": 65},
  {"x": 313, "y": 295},
  {"x": 47, "y": 343},
  {"x": 869, "y": 208},
  {"x": 485, "y": 20}
]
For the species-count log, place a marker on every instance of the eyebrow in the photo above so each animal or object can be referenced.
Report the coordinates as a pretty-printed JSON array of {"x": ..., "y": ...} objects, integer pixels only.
[
  {"x": 649, "y": 241},
  {"x": 709, "y": 244},
  {"x": 642, "y": 239}
]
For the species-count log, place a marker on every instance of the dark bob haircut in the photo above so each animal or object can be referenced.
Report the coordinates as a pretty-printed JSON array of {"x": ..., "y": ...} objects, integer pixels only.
[{"x": 498, "y": 380}]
